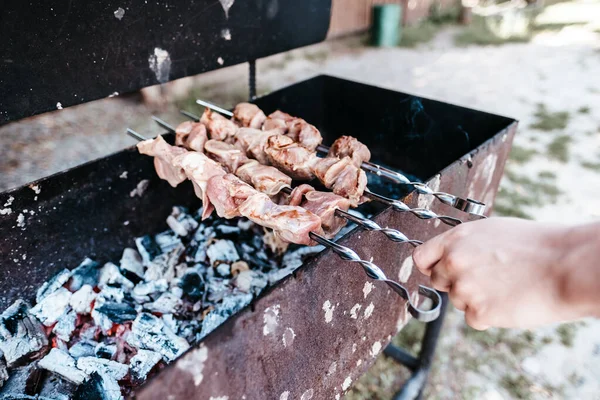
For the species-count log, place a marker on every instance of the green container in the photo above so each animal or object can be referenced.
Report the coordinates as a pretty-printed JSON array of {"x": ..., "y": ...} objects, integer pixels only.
[{"x": 387, "y": 26}]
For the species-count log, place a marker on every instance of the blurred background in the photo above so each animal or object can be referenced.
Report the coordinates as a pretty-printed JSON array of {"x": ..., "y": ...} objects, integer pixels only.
[{"x": 536, "y": 61}]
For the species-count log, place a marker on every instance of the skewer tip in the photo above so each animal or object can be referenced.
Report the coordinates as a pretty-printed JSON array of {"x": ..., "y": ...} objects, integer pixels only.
[{"x": 135, "y": 135}]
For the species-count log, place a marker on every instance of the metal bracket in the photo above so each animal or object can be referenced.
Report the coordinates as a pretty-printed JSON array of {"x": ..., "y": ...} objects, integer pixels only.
[{"x": 251, "y": 80}]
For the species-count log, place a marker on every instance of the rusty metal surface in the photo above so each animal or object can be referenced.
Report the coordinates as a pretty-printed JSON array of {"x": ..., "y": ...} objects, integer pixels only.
[{"x": 317, "y": 331}]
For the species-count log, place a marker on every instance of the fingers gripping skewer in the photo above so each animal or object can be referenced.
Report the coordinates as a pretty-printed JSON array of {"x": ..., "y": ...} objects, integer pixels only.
[
  {"x": 397, "y": 205},
  {"x": 469, "y": 206},
  {"x": 372, "y": 270}
]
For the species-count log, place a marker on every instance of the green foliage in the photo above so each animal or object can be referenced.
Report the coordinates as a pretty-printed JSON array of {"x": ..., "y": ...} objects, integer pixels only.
[
  {"x": 559, "y": 148},
  {"x": 479, "y": 33},
  {"x": 521, "y": 155},
  {"x": 566, "y": 334},
  {"x": 549, "y": 121},
  {"x": 518, "y": 386}
]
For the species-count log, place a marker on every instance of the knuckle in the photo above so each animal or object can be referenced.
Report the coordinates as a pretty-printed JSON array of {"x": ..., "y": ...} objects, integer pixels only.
[
  {"x": 453, "y": 261},
  {"x": 459, "y": 291}
]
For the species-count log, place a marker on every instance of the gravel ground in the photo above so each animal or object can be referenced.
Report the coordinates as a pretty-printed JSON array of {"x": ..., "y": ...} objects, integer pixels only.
[{"x": 550, "y": 85}]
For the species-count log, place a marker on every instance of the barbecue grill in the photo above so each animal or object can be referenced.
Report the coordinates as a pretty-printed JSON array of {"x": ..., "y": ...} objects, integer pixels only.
[{"x": 79, "y": 53}]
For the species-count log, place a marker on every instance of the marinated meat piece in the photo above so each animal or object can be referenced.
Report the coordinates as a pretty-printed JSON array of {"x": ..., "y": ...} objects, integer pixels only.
[
  {"x": 296, "y": 128},
  {"x": 343, "y": 177},
  {"x": 290, "y": 157},
  {"x": 218, "y": 127},
  {"x": 322, "y": 204},
  {"x": 253, "y": 142},
  {"x": 164, "y": 154},
  {"x": 226, "y": 154},
  {"x": 232, "y": 197},
  {"x": 264, "y": 178},
  {"x": 305, "y": 134},
  {"x": 199, "y": 169},
  {"x": 227, "y": 193},
  {"x": 191, "y": 135},
  {"x": 348, "y": 146},
  {"x": 249, "y": 115}
]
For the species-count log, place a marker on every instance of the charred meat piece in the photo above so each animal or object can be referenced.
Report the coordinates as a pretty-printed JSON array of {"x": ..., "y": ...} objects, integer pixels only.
[
  {"x": 232, "y": 197},
  {"x": 290, "y": 157},
  {"x": 343, "y": 177},
  {"x": 249, "y": 115},
  {"x": 199, "y": 169},
  {"x": 254, "y": 143},
  {"x": 296, "y": 128},
  {"x": 191, "y": 135},
  {"x": 322, "y": 204},
  {"x": 164, "y": 154},
  {"x": 348, "y": 146},
  {"x": 218, "y": 127}
]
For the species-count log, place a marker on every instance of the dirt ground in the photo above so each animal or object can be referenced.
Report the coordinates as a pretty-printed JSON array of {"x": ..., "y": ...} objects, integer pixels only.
[{"x": 551, "y": 84}]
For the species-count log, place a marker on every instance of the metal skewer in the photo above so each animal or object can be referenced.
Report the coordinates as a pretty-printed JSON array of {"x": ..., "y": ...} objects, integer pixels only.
[
  {"x": 397, "y": 205},
  {"x": 372, "y": 270},
  {"x": 469, "y": 206}
]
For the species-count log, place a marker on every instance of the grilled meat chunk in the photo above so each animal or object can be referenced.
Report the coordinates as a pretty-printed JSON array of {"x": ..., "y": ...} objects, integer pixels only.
[
  {"x": 343, "y": 177},
  {"x": 264, "y": 178},
  {"x": 232, "y": 197},
  {"x": 225, "y": 154},
  {"x": 254, "y": 142},
  {"x": 348, "y": 146},
  {"x": 164, "y": 154},
  {"x": 218, "y": 127},
  {"x": 191, "y": 135},
  {"x": 249, "y": 115},
  {"x": 322, "y": 204},
  {"x": 289, "y": 156},
  {"x": 296, "y": 128},
  {"x": 199, "y": 169}
]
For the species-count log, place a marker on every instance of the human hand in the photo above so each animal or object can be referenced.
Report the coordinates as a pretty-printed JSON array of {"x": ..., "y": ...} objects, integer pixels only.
[{"x": 503, "y": 272}]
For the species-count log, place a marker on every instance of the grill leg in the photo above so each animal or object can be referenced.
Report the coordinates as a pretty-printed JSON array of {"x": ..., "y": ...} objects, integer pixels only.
[
  {"x": 413, "y": 387},
  {"x": 252, "y": 79}
]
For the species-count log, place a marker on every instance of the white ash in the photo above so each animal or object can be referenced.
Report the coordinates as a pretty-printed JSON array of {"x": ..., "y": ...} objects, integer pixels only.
[
  {"x": 81, "y": 301},
  {"x": 110, "y": 275},
  {"x": 224, "y": 270},
  {"x": 143, "y": 290},
  {"x": 61, "y": 363},
  {"x": 52, "y": 307},
  {"x": 89, "y": 332},
  {"x": 150, "y": 333},
  {"x": 222, "y": 251},
  {"x": 22, "y": 380},
  {"x": 52, "y": 285},
  {"x": 89, "y": 365},
  {"x": 167, "y": 242},
  {"x": 181, "y": 223},
  {"x": 65, "y": 326},
  {"x": 55, "y": 388},
  {"x": 140, "y": 189},
  {"x": 132, "y": 261},
  {"x": 22, "y": 336},
  {"x": 142, "y": 363},
  {"x": 229, "y": 306},
  {"x": 167, "y": 303},
  {"x": 243, "y": 281}
]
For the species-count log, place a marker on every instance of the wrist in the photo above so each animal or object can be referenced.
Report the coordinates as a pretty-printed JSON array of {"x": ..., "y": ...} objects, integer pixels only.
[{"x": 576, "y": 271}]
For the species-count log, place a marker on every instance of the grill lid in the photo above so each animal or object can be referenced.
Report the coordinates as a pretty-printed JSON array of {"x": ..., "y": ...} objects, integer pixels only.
[{"x": 60, "y": 53}]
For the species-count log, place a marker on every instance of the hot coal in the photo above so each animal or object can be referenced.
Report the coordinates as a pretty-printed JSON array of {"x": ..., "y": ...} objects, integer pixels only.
[
  {"x": 22, "y": 337},
  {"x": 62, "y": 364},
  {"x": 118, "y": 313},
  {"x": 86, "y": 273},
  {"x": 142, "y": 363},
  {"x": 100, "y": 387},
  {"x": 22, "y": 381},
  {"x": 112, "y": 324},
  {"x": 56, "y": 388}
]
